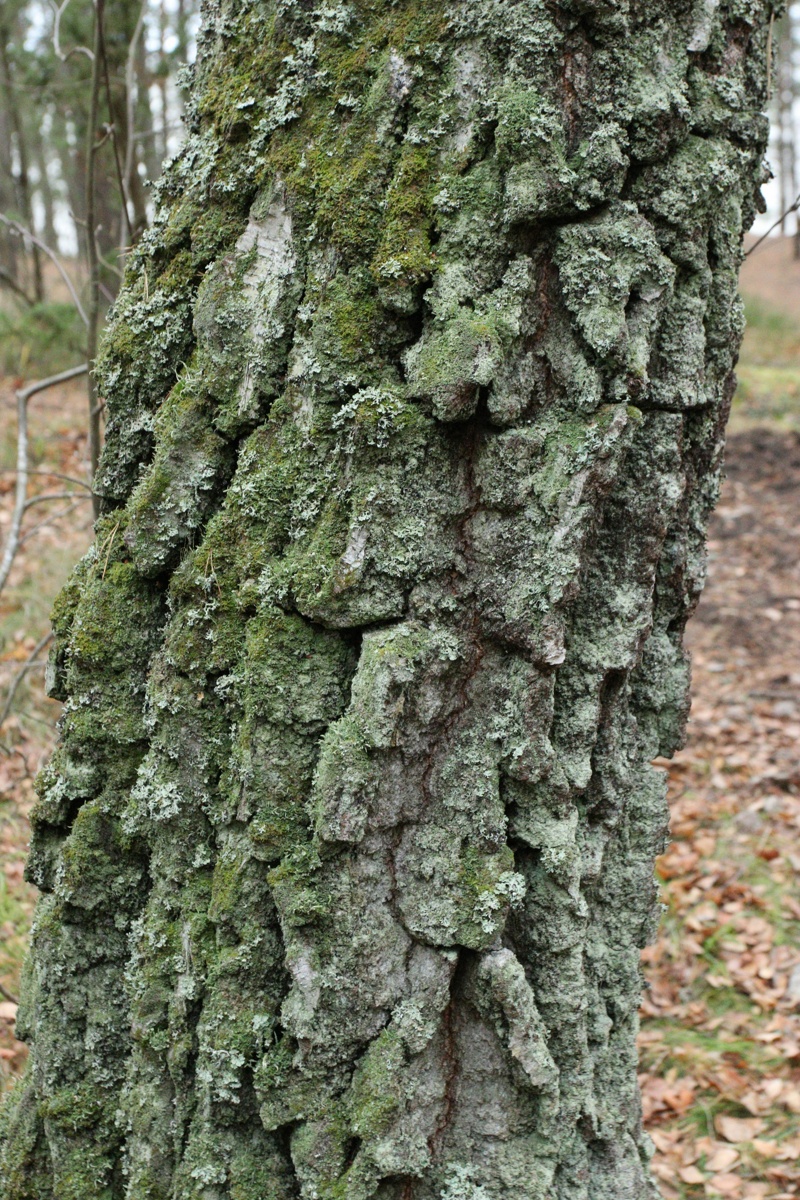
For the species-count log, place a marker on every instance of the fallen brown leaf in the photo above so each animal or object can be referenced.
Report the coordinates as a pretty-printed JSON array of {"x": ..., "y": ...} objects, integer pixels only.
[
  {"x": 738, "y": 1129},
  {"x": 725, "y": 1184},
  {"x": 679, "y": 1101},
  {"x": 723, "y": 1158},
  {"x": 755, "y": 1190}
]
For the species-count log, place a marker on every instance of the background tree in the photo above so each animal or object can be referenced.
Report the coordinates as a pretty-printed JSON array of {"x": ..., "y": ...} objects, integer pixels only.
[
  {"x": 45, "y": 118},
  {"x": 784, "y": 97},
  {"x": 17, "y": 192},
  {"x": 416, "y": 395},
  {"x": 88, "y": 68}
]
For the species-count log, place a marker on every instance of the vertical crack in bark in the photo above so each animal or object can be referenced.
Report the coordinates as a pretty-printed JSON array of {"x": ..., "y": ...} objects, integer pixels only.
[{"x": 450, "y": 1057}]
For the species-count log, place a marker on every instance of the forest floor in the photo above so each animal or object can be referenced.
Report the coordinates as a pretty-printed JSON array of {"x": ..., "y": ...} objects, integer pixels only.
[
  {"x": 56, "y": 534},
  {"x": 720, "y": 1040},
  {"x": 720, "y": 1036}
]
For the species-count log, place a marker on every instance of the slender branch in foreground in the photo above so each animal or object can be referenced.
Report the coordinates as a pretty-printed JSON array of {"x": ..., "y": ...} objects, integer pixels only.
[
  {"x": 51, "y": 254},
  {"x": 30, "y": 663},
  {"x": 8, "y": 995},
  {"x": 58, "y": 10},
  {"x": 41, "y": 385},
  {"x": 46, "y": 497},
  {"x": 10, "y": 282},
  {"x": 21, "y": 498},
  {"x": 793, "y": 207},
  {"x": 65, "y": 512},
  {"x": 51, "y": 475}
]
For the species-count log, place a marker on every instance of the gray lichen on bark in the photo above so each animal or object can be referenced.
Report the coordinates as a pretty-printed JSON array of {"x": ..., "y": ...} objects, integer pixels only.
[{"x": 416, "y": 394}]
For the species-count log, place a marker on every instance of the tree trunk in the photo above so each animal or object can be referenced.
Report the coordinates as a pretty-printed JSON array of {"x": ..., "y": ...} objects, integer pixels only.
[
  {"x": 9, "y": 242},
  {"x": 120, "y": 20},
  {"x": 784, "y": 117},
  {"x": 416, "y": 394},
  {"x": 21, "y": 174},
  {"x": 43, "y": 152},
  {"x": 145, "y": 123}
]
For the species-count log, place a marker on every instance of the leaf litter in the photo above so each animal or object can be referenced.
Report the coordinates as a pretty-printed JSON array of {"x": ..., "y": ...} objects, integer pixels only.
[{"x": 720, "y": 1035}]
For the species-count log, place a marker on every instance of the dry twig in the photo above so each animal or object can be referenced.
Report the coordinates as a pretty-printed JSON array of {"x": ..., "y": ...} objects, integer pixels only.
[
  {"x": 21, "y": 500},
  {"x": 51, "y": 254},
  {"x": 58, "y": 11},
  {"x": 31, "y": 662}
]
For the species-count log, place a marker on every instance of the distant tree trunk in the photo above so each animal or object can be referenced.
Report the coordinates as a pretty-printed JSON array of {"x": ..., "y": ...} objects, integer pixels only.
[
  {"x": 144, "y": 115},
  {"x": 182, "y": 33},
  {"x": 784, "y": 120},
  {"x": 71, "y": 164},
  {"x": 416, "y": 397},
  {"x": 120, "y": 18},
  {"x": 792, "y": 148},
  {"x": 133, "y": 88},
  {"x": 42, "y": 151},
  {"x": 161, "y": 84},
  {"x": 20, "y": 169},
  {"x": 9, "y": 244}
]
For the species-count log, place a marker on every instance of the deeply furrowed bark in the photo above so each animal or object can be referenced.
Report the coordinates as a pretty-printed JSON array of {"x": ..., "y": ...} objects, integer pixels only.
[{"x": 416, "y": 397}]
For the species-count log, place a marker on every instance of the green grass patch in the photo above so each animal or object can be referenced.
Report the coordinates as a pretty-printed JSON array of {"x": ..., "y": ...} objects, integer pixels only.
[{"x": 769, "y": 368}]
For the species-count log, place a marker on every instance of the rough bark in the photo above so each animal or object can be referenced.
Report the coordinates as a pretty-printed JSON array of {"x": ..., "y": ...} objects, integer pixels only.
[{"x": 416, "y": 395}]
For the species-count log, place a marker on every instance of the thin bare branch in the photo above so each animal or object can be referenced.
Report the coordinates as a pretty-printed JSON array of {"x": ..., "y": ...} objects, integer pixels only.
[
  {"x": 769, "y": 55},
  {"x": 14, "y": 539},
  {"x": 46, "y": 497},
  {"x": 130, "y": 113},
  {"x": 21, "y": 171},
  {"x": 50, "y": 520},
  {"x": 10, "y": 282},
  {"x": 58, "y": 11},
  {"x": 41, "y": 385},
  {"x": 7, "y": 995},
  {"x": 51, "y": 254},
  {"x": 12, "y": 543},
  {"x": 793, "y": 207},
  {"x": 31, "y": 662},
  {"x": 123, "y": 194},
  {"x": 110, "y": 266},
  {"x": 50, "y": 475},
  {"x": 161, "y": 131}
]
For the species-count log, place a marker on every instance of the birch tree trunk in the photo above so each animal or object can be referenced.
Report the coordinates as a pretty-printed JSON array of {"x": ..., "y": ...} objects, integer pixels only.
[{"x": 416, "y": 394}]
